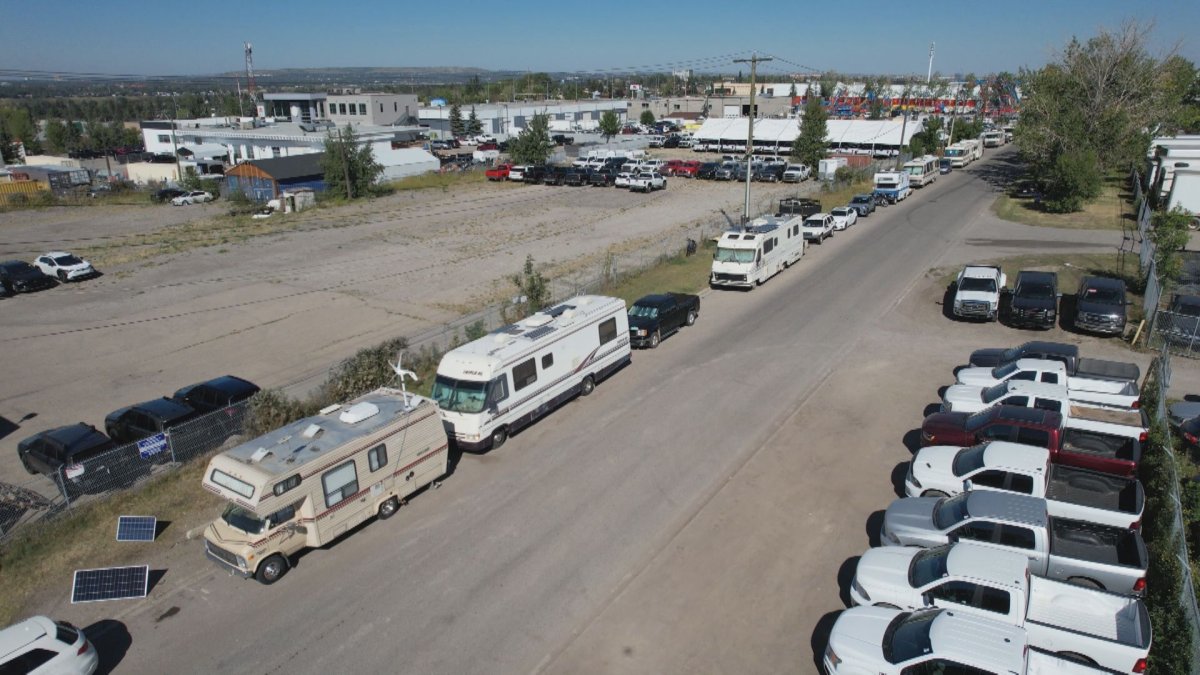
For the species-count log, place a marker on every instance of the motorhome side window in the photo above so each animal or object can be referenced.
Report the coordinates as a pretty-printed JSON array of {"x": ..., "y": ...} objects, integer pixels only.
[
  {"x": 498, "y": 389},
  {"x": 377, "y": 457},
  {"x": 339, "y": 483},
  {"x": 608, "y": 331},
  {"x": 289, "y": 483},
  {"x": 524, "y": 374},
  {"x": 547, "y": 361},
  {"x": 767, "y": 246}
]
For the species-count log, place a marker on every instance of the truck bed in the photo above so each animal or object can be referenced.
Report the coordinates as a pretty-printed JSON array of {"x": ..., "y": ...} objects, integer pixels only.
[
  {"x": 1101, "y": 445},
  {"x": 1129, "y": 418},
  {"x": 1098, "y": 490},
  {"x": 1108, "y": 370},
  {"x": 1103, "y": 615},
  {"x": 1096, "y": 543}
]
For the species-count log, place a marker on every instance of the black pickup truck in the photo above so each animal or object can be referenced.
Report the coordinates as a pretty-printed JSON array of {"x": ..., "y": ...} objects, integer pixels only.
[
  {"x": 1068, "y": 354},
  {"x": 76, "y": 457},
  {"x": 656, "y": 316},
  {"x": 798, "y": 206}
]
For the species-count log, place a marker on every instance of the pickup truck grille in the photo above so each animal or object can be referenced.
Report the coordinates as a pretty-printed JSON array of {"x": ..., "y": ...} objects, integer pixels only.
[
  {"x": 1098, "y": 322},
  {"x": 974, "y": 308},
  {"x": 222, "y": 554}
]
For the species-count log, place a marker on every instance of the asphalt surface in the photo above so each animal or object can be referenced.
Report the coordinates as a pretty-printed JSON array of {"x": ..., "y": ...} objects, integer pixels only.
[{"x": 700, "y": 512}]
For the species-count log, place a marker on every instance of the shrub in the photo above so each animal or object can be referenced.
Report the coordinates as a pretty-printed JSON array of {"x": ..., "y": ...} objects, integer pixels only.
[
  {"x": 1073, "y": 179},
  {"x": 271, "y": 409},
  {"x": 368, "y": 369}
]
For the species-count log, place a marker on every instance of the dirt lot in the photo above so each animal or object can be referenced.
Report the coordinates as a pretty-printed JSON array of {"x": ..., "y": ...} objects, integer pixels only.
[{"x": 281, "y": 309}]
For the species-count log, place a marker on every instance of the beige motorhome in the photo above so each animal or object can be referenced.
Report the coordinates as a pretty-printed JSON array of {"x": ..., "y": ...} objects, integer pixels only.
[{"x": 305, "y": 484}]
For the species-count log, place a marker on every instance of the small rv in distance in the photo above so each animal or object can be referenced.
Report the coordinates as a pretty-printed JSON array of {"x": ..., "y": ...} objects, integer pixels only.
[
  {"x": 493, "y": 386},
  {"x": 307, "y": 483}
]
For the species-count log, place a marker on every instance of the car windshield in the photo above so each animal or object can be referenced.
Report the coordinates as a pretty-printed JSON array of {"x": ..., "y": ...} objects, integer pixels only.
[
  {"x": 1001, "y": 372},
  {"x": 734, "y": 255},
  {"x": 241, "y": 519},
  {"x": 977, "y": 284},
  {"x": 840, "y": 212},
  {"x": 1039, "y": 291},
  {"x": 463, "y": 396},
  {"x": 928, "y": 566},
  {"x": 65, "y": 260},
  {"x": 950, "y": 512},
  {"x": 968, "y": 460},
  {"x": 643, "y": 311},
  {"x": 994, "y": 392},
  {"x": 908, "y": 637},
  {"x": 1103, "y": 296},
  {"x": 861, "y": 199}
]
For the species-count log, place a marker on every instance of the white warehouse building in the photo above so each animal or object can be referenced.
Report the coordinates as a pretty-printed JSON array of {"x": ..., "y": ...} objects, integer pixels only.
[
  {"x": 508, "y": 119},
  {"x": 881, "y": 138}
]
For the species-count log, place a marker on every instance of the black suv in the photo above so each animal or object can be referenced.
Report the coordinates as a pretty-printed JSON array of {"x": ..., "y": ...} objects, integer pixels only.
[
  {"x": 18, "y": 276},
  {"x": 708, "y": 170},
  {"x": 63, "y": 454},
  {"x": 1034, "y": 300},
  {"x": 1100, "y": 306},
  {"x": 215, "y": 394},
  {"x": 136, "y": 422}
]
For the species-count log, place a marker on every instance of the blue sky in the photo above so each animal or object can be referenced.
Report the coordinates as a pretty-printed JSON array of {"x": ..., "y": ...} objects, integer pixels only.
[{"x": 142, "y": 37}]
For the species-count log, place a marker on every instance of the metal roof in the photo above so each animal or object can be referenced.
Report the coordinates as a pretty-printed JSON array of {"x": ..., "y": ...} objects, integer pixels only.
[{"x": 287, "y": 168}]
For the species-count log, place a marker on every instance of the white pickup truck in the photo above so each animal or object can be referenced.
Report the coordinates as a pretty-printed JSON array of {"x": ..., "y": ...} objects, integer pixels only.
[
  {"x": 970, "y": 398},
  {"x": 1076, "y": 494},
  {"x": 878, "y": 640},
  {"x": 1109, "y": 630},
  {"x": 977, "y": 292},
  {"x": 647, "y": 181},
  {"x": 1079, "y": 387},
  {"x": 1108, "y": 558}
]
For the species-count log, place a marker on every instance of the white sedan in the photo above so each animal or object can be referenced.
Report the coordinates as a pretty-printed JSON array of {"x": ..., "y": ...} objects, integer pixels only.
[
  {"x": 193, "y": 197},
  {"x": 64, "y": 266},
  {"x": 843, "y": 217}
]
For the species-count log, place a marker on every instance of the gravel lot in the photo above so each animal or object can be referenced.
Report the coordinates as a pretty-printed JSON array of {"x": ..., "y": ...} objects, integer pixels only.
[{"x": 281, "y": 309}]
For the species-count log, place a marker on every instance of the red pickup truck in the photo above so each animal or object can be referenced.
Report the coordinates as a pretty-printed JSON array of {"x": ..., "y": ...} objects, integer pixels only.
[
  {"x": 1117, "y": 455},
  {"x": 688, "y": 169},
  {"x": 498, "y": 172}
]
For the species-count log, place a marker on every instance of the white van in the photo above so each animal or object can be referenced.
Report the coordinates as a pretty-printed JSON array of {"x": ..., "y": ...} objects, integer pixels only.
[{"x": 491, "y": 387}]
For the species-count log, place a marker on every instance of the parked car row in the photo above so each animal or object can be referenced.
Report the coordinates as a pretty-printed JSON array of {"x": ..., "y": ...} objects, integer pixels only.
[
  {"x": 60, "y": 452},
  {"x": 1033, "y": 301},
  {"x": 48, "y": 270},
  {"x": 1014, "y": 549},
  {"x": 636, "y": 176}
]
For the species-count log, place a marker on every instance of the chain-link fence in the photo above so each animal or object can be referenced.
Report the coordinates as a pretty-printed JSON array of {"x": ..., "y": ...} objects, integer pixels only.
[
  {"x": 1159, "y": 377},
  {"x": 121, "y": 468}
]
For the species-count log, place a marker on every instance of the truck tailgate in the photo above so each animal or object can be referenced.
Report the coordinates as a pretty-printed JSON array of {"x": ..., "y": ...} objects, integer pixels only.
[
  {"x": 1108, "y": 370},
  {"x": 1108, "y": 616}
]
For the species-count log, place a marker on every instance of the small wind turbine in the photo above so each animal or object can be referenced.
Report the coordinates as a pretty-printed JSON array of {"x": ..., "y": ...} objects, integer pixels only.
[{"x": 402, "y": 373}]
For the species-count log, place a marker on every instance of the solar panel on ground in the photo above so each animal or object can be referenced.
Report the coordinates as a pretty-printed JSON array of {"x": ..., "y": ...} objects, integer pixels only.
[
  {"x": 110, "y": 583},
  {"x": 136, "y": 528}
]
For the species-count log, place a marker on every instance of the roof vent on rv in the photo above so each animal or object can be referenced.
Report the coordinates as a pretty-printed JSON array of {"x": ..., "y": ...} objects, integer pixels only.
[
  {"x": 359, "y": 412},
  {"x": 538, "y": 319},
  {"x": 259, "y": 455},
  {"x": 329, "y": 408},
  {"x": 312, "y": 431}
]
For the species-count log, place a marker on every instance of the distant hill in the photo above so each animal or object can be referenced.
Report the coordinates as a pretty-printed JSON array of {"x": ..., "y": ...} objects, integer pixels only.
[{"x": 421, "y": 75}]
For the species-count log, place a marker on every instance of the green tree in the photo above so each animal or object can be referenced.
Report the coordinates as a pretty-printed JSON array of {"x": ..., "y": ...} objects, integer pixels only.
[
  {"x": 74, "y": 137},
  {"x": 1183, "y": 87},
  {"x": 474, "y": 126},
  {"x": 534, "y": 289},
  {"x": 610, "y": 125},
  {"x": 811, "y": 143},
  {"x": 1170, "y": 235},
  {"x": 8, "y": 148},
  {"x": 533, "y": 145},
  {"x": 350, "y": 168},
  {"x": 647, "y": 118},
  {"x": 1073, "y": 179},
  {"x": 457, "y": 127},
  {"x": 827, "y": 83},
  {"x": 56, "y": 136}
]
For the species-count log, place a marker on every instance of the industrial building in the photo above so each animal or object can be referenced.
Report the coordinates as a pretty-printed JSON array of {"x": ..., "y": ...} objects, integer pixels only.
[
  {"x": 881, "y": 138},
  {"x": 510, "y": 118},
  {"x": 263, "y": 179}
]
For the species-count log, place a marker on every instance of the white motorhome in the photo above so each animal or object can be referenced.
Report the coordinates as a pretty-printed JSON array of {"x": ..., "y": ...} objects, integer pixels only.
[
  {"x": 892, "y": 186},
  {"x": 921, "y": 170},
  {"x": 489, "y": 388},
  {"x": 309, "y": 482},
  {"x": 993, "y": 139},
  {"x": 959, "y": 155},
  {"x": 747, "y": 257}
]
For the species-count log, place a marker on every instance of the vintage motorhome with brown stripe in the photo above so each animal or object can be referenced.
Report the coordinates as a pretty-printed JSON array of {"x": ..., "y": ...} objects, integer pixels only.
[{"x": 309, "y": 482}]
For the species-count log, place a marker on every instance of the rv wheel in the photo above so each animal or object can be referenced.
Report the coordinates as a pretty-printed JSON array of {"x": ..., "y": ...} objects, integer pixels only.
[
  {"x": 388, "y": 508},
  {"x": 271, "y": 569},
  {"x": 587, "y": 386},
  {"x": 499, "y": 436}
]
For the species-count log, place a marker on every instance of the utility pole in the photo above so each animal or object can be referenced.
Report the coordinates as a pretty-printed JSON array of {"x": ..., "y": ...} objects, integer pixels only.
[
  {"x": 174, "y": 143},
  {"x": 346, "y": 164},
  {"x": 754, "y": 60},
  {"x": 903, "y": 128}
]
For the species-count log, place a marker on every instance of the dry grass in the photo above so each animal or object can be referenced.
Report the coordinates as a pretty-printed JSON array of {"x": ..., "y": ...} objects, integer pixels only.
[
  {"x": 444, "y": 181},
  {"x": 1109, "y": 211},
  {"x": 45, "y": 555}
]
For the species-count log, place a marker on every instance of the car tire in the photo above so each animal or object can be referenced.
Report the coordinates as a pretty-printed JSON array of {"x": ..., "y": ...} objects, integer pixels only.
[
  {"x": 587, "y": 386},
  {"x": 389, "y": 508},
  {"x": 499, "y": 436},
  {"x": 655, "y": 339},
  {"x": 691, "y": 319},
  {"x": 271, "y": 570},
  {"x": 62, "y": 276}
]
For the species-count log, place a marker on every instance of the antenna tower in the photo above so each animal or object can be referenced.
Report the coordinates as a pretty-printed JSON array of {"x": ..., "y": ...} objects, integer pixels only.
[
  {"x": 928, "y": 74},
  {"x": 250, "y": 69}
]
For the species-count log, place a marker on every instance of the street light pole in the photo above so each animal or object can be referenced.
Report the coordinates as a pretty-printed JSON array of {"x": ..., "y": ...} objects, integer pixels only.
[
  {"x": 754, "y": 60},
  {"x": 174, "y": 143}
]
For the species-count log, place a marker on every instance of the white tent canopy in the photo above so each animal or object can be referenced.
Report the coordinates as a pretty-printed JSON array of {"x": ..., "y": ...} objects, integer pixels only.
[{"x": 857, "y": 133}]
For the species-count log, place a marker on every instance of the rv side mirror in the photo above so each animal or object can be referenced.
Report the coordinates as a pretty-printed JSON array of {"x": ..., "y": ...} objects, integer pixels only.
[
  {"x": 300, "y": 529},
  {"x": 967, "y": 485}
]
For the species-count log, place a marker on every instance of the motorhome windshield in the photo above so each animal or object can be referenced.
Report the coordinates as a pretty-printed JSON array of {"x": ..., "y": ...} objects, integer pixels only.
[
  {"x": 241, "y": 519},
  {"x": 463, "y": 396},
  {"x": 734, "y": 255}
]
